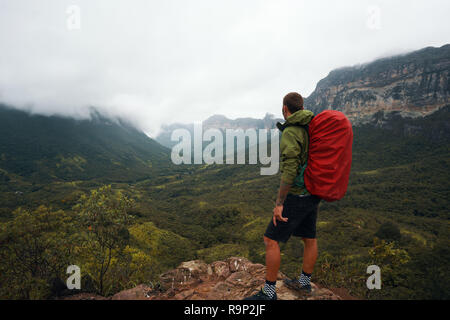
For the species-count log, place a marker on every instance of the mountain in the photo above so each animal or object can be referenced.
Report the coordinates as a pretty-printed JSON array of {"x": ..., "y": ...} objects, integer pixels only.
[
  {"x": 230, "y": 279},
  {"x": 413, "y": 85},
  {"x": 41, "y": 149},
  {"x": 217, "y": 122}
]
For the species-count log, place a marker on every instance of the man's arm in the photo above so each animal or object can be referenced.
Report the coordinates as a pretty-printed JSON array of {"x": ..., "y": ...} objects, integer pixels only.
[
  {"x": 290, "y": 160},
  {"x": 290, "y": 157},
  {"x": 283, "y": 192}
]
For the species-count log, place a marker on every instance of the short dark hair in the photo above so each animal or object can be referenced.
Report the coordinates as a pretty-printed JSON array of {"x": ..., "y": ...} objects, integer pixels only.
[{"x": 293, "y": 101}]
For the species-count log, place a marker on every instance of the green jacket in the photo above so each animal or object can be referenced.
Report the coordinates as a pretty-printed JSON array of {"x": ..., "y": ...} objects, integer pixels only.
[{"x": 294, "y": 148}]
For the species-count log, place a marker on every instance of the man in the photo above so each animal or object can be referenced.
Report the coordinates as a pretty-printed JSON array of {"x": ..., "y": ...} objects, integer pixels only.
[{"x": 295, "y": 212}]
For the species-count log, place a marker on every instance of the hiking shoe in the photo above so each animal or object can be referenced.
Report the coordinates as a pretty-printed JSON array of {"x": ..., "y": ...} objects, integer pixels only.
[
  {"x": 261, "y": 296},
  {"x": 295, "y": 285}
]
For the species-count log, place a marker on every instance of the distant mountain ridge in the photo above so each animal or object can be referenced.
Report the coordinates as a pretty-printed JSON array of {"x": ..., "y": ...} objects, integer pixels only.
[
  {"x": 410, "y": 85},
  {"x": 222, "y": 122},
  {"x": 217, "y": 122},
  {"x": 413, "y": 85},
  {"x": 48, "y": 148}
]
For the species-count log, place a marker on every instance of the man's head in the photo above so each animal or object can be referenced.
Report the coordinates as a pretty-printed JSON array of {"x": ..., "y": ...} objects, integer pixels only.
[{"x": 292, "y": 103}]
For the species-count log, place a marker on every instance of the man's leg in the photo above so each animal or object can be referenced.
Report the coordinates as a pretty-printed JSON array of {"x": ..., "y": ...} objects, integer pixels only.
[
  {"x": 303, "y": 283},
  {"x": 310, "y": 253},
  {"x": 273, "y": 259},
  {"x": 309, "y": 260}
]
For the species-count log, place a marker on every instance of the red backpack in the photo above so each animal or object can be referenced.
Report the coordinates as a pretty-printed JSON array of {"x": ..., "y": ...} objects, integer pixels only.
[{"x": 329, "y": 155}]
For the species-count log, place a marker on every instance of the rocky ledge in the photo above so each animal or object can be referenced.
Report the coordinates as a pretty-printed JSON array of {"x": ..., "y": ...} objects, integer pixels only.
[{"x": 232, "y": 279}]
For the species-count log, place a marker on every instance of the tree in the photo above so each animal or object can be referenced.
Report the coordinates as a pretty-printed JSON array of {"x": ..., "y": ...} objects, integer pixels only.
[
  {"x": 389, "y": 232},
  {"x": 35, "y": 247},
  {"x": 431, "y": 270},
  {"x": 390, "y": 260},
  {"x": 104, "y": 219}
]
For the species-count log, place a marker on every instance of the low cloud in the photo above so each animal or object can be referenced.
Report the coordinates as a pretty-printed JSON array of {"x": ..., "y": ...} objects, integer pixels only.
[{"x": 156, "y": 62}]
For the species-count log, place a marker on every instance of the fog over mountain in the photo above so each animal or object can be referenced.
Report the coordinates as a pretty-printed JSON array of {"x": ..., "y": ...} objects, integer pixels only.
[{"x": 174, "y": 61}]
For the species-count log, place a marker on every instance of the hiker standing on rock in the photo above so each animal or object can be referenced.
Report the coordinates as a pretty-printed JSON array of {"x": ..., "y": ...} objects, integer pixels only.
[{"x": 295, "y": 212}]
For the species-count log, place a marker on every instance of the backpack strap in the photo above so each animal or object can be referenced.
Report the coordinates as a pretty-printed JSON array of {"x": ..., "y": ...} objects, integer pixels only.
[{"x": 283, "y": 126}]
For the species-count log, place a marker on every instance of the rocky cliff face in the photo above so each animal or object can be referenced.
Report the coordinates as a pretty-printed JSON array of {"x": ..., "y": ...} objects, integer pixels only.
[
  {"x": 232, "y": 279},
  {"x": 413, "y": 85}
]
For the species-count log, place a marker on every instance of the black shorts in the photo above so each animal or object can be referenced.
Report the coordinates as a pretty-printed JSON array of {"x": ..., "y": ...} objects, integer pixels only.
[{"x": 302, "y": 216}]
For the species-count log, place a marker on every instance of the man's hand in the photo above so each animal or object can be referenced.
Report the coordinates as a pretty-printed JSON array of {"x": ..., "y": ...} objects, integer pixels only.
[
  {"x": 282, "y": 194},
  {"x": 277, "y": 215}
]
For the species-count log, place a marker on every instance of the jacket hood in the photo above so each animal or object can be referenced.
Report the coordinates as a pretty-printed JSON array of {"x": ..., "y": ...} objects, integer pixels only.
[{"x": 301, "y": 117}]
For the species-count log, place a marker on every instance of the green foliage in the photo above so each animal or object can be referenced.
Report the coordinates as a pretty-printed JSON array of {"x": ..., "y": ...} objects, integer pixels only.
[
  {"x": 384, "y": 254},
  {"x": 138, "y": 268},
  {"x": 342, "y": 271},
  {"x": 166, "y": 249},
  {"x": 103, "y": 220},
  {"x": 432, "y": 273},
  {"x": 392, "y": 262},
  {"x": 35, "y": 247},
  {"x": 389, "y": 231}
]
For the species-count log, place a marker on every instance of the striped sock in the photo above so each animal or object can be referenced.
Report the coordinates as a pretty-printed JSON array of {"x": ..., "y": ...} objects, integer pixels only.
[
  {"x": 269, "y": 288},
  {"x": 305, "y": 279}
]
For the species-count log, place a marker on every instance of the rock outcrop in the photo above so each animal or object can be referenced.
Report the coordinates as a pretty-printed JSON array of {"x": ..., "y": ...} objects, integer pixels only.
[
  {"x": 232, "y": 279},
  {"x": 412, "y": 85}
]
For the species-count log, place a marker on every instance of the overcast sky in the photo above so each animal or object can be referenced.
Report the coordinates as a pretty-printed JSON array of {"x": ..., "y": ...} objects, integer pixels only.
[{"x": 167, "y": 61}]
